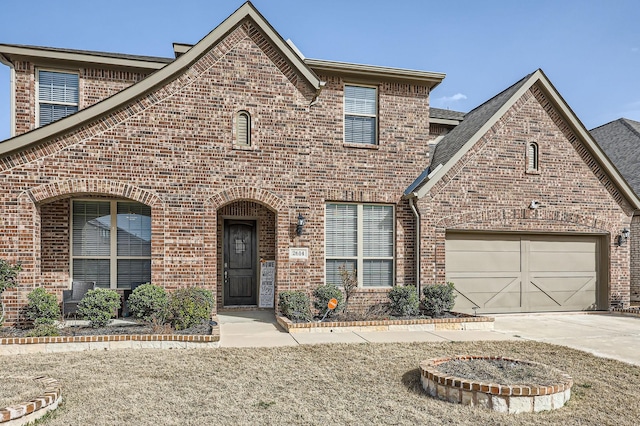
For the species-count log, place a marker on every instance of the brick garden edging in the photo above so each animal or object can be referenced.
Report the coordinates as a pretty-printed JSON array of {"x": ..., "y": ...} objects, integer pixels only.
[
  {"x": 25, "y": 345},
  {"x": 512, "y": 399},
  {"x": 462, "y": 322},
  {"x": 26, "y": 412}
]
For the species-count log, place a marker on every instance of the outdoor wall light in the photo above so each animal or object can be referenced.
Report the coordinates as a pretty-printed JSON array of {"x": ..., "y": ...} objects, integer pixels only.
[
  {"x": 300, "y": 225},
  {"x": 623, "y": 237}
]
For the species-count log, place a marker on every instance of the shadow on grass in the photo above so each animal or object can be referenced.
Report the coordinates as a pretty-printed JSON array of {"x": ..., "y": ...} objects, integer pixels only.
[{"x": 411, "y": 379}]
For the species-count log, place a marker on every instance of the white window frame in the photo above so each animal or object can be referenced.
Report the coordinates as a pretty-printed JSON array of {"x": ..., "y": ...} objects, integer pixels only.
[
  {"x": 376, "y": 142},
  {"x": 247, "y": 141},
  {"x": 113, "y": 235},
  {"x": 38, "y": 101},
  {"x": 360, "y": 258}
]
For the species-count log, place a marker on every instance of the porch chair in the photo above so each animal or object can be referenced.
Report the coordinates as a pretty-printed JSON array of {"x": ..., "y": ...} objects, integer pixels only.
[{"x": 71, "y": 298}]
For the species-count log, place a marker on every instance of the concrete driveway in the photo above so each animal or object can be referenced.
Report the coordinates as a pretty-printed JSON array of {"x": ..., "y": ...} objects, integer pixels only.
[{"x": 603, "y": 334}]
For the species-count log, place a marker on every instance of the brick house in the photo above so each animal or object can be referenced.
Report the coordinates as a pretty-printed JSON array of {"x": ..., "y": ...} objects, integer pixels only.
[
  {"x": 199, "y": 169},
  {"x": 620, "y": 140}
]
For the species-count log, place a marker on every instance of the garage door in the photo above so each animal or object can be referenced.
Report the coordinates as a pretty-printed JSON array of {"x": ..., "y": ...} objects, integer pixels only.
[{"x": 523, "y": 273}]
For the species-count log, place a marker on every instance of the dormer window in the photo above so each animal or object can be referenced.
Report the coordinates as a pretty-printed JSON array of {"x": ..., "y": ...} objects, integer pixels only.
[
  {"x": 243, "y": 129},
  {"x": 533, "y": 158},
  {"x": 360, "y": 115},
  {"x": 57, "y": 95}
]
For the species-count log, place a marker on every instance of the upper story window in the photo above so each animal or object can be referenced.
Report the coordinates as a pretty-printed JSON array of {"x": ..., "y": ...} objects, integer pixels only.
[
  {"x": 533, "y": 159},
  {"x": 57, "y": 95},
  {"x": 243, "y": 129},
  {"x": 360, "y": 115},
  {"x": 360, "y": 237}
]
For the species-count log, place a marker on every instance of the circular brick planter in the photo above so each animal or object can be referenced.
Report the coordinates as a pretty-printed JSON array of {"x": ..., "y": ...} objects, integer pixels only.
[
  {"x": 27, "y": 412},
  {"x": 524, "y": 398}
]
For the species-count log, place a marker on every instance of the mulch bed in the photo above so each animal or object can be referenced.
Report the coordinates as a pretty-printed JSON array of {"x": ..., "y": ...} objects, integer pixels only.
[
  {"x": 140, "y": 328},
  {"x": 504, "y": 372}
]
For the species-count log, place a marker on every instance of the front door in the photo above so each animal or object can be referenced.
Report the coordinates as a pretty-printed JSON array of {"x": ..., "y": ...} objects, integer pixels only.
[{"x": 240, "y": 259}]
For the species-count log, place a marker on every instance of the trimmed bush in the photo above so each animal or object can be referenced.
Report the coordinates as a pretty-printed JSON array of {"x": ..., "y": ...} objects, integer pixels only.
[
  {"x": 438, "y": 299},
  {"x": 404, "y": 301},
  {"x": 323, "y": 294},
  {"x": 8, "y": 279},
  {"x": 149, "y": 303},
  {"x": 42, "y": 307},
  {"x": 295, "y": 305},
  {"x": 190, "y": 306},
  {"x": 99, "y": 306},
  {"x": 44, "y": 330}
]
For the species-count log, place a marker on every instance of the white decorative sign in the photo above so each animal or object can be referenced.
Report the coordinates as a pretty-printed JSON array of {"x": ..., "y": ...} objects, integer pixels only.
[
  {"x": 298, "y": 253},
  {"x": 267, "y": 283}
]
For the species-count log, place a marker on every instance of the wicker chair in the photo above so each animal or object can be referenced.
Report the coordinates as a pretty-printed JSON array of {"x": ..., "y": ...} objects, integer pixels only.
[{"x": 71, "y": 298}]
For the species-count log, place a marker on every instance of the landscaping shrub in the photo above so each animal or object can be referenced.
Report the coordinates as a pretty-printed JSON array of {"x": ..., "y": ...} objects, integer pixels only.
[
  {"x": 42, "y": 307},
  {"x": 404, "y": 301},
  {"x": 44, "y": 330},
  {"x": 149, "y": 303},
  {"x": 8, "y": 276},
  {"x": 295, "y": 305},
  {"x": 99, "y": 306},
  {"x": 438, "y": 299},
  {"x": 323, "y": 294},
  {"x": 190, "y": 306}
]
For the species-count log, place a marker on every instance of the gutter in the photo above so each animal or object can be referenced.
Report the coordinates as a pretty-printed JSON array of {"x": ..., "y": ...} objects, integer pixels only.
[
  {"x": 12, "y": 94},
  {"x": 417, "y": 216}
]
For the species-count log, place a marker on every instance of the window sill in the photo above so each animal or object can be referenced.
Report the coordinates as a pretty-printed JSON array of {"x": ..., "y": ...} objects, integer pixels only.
[
  {"x": 532, "y": 172},
  {"x": 244, "y": 147},
  {"x": 360, "y": 145}
]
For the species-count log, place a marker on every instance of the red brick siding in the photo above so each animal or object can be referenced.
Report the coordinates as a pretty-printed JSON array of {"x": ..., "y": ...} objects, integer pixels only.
[
  {"x": 172, "y": 149},
  {"x": 634, "y": 247},
  {"x": 489, "y": 190},
  {"x": 55, "y": 244},
  {"x": 94, "y": 86}
]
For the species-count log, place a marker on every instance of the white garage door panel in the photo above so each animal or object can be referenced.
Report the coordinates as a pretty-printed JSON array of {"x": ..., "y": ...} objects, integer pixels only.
[{"x": 524, "y": 273}]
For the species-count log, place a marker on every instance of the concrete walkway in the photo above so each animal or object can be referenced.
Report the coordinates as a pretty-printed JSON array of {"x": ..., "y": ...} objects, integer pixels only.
[
  {"x": 259, "y": 329},
  {"x": 602, "y": 334}
]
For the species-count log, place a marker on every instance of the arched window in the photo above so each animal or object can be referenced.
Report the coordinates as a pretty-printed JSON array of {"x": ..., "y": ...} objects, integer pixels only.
[
  {"x": 532, "y": 157},
  {"x": 243, "y": 131}
]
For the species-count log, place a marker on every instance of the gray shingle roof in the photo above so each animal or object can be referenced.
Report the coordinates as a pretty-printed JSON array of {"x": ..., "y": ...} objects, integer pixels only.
[
  {"x": 620, "y": 140},
  {"x": 94, "y": 53},
  {"x": 473, "y": 121},
  {"x": 446, "y": 114}
]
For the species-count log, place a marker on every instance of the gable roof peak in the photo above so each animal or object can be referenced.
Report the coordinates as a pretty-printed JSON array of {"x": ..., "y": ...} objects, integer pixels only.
[{"x": 160, "y": 77}]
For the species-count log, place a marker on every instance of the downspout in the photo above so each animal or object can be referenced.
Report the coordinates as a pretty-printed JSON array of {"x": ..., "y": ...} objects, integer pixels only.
[
  {"x": 417, "y": 216},
  {"x": 12, "y": 94}
]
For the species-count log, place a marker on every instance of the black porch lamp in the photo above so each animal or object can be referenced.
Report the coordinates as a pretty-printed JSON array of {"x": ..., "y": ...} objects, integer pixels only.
[
  {"x": 623, "y": 237},
  {"x": 300, "y": 225}
]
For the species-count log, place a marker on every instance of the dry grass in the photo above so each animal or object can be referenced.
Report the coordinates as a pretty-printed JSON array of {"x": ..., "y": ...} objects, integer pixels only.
[
  {"x": 14, "y": 390},
  {"x": 320, "y": 384}
]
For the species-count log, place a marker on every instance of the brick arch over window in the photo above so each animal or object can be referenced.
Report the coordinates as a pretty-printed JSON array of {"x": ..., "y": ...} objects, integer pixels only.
[{"x": 29, "y": 220}]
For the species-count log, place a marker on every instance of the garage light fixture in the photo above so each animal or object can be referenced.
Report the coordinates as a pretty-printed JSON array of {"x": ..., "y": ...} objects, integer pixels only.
[{"x": 623, "y": 237}]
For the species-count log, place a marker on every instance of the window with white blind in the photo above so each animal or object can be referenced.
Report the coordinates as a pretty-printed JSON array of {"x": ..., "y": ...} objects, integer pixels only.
[
  {"x": 360, "y": 115},
  {"x": 243, "y": 129},
  {"x": 111, "y": 259},
  {"x": 57, "y": 95},
  {"x": 360, "y": 237}
]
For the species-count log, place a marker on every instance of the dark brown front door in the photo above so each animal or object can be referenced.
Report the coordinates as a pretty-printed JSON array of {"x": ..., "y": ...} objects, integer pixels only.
[{"x": 240, "y": 259}]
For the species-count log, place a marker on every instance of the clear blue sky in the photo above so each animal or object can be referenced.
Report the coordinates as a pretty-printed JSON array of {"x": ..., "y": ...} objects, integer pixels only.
[{"x": 590, "y": 49}]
